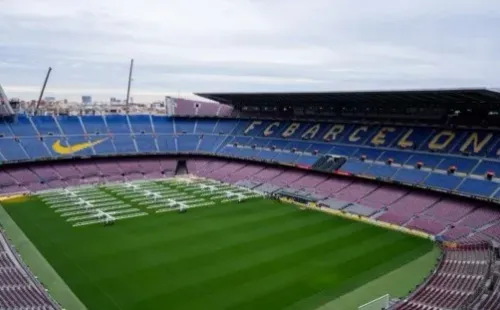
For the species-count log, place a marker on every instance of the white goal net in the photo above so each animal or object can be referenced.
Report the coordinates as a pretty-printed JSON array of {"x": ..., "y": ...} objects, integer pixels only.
[{"x": 380, "y": 303}]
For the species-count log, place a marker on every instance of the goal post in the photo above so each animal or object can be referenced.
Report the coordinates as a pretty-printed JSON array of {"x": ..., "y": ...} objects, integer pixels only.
[{"x": 380, "y": 303}]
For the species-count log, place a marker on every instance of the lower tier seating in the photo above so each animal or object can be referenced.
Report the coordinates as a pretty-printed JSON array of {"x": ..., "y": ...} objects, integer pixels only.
[
  {"x": 19, "y": 289},
  {"x": 456, "y": 281}
]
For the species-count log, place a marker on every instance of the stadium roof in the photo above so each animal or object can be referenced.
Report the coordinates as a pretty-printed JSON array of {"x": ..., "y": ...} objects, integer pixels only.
[{"x": 445, "y": 97}]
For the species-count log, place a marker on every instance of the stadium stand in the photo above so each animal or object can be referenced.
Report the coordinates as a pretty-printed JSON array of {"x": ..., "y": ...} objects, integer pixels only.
[
  {"x": 450, "y": 218},
  {"x": 43, "y": 137},
  {"x": 455, "y": 282},
  {"x": 315, "y": 159},
  {"x": 19, "y": 290}
]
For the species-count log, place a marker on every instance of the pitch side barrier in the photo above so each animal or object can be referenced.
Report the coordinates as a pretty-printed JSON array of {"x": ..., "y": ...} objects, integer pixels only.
[
  {"x": 13, "y": 196},
  {"x": 318, "y": 207}
]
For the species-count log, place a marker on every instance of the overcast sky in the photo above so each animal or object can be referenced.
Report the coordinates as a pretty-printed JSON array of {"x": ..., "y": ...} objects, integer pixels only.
[{"x": 246, "y": 45}]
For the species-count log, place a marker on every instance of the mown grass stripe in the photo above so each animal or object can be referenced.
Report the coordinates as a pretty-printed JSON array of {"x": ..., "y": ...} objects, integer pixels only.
[{"x": 258, "y": 254}]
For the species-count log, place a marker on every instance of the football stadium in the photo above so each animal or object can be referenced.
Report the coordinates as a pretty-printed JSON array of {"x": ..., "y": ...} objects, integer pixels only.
[{"x": 321, "y": 201}]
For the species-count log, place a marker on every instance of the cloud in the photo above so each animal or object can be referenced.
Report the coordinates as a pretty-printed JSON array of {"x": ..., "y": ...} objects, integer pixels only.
[{"x": 246, "y": 45}]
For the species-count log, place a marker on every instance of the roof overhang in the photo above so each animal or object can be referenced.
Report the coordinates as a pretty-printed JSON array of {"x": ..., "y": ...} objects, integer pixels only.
[{"x": 436, "y": 97}]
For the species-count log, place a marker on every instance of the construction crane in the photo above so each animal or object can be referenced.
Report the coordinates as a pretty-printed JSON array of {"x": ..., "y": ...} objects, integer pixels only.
[{"x": 43, "y": 90}]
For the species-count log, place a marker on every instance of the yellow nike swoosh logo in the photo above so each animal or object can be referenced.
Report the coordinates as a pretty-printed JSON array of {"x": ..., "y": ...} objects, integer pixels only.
[{"x": 65, "y": 150}]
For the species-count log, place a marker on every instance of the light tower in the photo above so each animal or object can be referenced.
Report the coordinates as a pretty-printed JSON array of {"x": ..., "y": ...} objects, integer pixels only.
[
  {"x": 129, "y": 84},
  {"x": 43, "y": 89}
]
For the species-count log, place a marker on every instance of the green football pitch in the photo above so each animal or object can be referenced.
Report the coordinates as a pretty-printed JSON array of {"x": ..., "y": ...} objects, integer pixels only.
[{"x": 253, "y": 254}]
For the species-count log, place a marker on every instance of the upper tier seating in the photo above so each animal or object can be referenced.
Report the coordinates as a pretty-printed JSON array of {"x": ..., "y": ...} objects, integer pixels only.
[{"x": 423, "y": 156}]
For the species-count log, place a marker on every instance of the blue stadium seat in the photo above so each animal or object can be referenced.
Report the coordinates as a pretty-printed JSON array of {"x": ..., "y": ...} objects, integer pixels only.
[
  {"x": 429, "y": 160},
  {"x": 94, "y": 124},
  {"x": 228, "y": 150},
  {"x": 166, "y": 143},
  {"x": 117, "y": 124},
  {"x": 261, "y": 142},
  {"x": 495, "y": 150},
  {"x": 370, "y": 153},
  {"x": 307, "y": 160},
  {"x": 247, "y": 152},
  {"x": 487, "y": 165},
  {"x": 5, "y": 130},
  {"x": 70, "y": 125},
  {"x": 124, "y": 144},
  {"x": 286, "y": 157},
  {"x": 188, "y": 143},
  {"x": 235, "y": 151},
  {"x": 105, "y": 147},
  {"x": 225, "y": 126},
  {"x": 209, "y": 143},
  {"x": 497, "y": 195},
  {"x": 145, "y": 143},
  {"x": 354, "y": 166},
  {"x": 344, "y": 150},
  {"x": 140, "y": 123},
  {"x": 22, "y": 127},
  {"x": 184, "y": 125},
  {"x": 464, "y": 165},
  {"x": 444, "y": 181},
  {"x": 35, "y": 148},
  {"x": 411, "y": 176},
  {"x": 162, "y": 124},
  {"x": 241, "y": 140},
  {"x": 267, "y": 155},
  {"x": 226, "y": 140},
  {"x": 475, "y": 187},
  {"x": 12, "y": 150},
  {"x": 399, "y": 157},
  {"x": 381, "y": 171},
  {"x": 241, "y": 127},
  {"x": 280, "y": 144},
  {"x": 298, "y": 145},
  {"x": 322, "y": 148},
  {"x": 46, "y": 125},
  {"x": 205, "y": 126}
]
